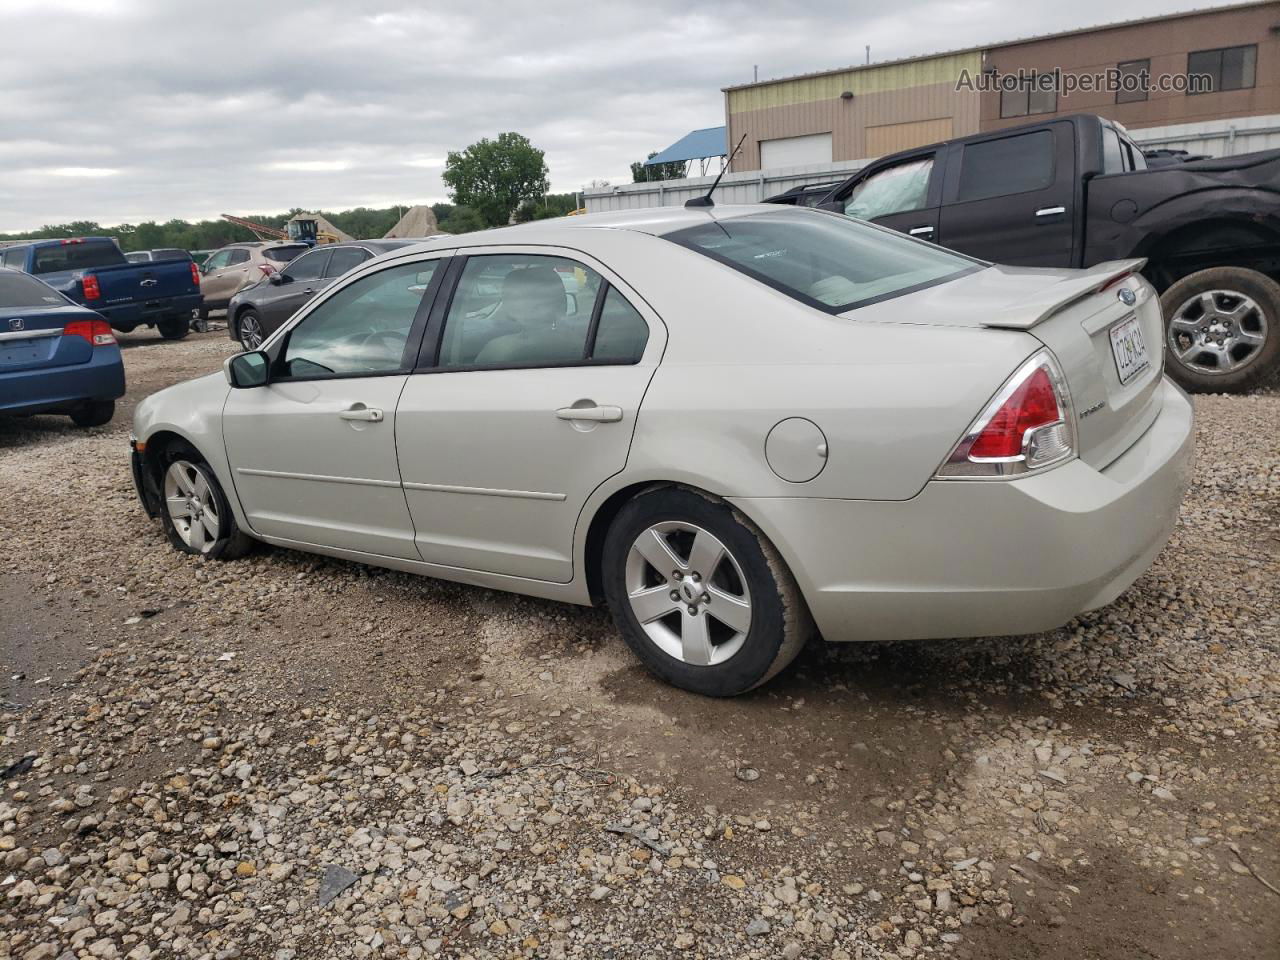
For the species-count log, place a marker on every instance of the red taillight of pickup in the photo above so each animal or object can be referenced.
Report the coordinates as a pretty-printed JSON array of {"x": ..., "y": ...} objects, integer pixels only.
[
  {"x": 96, "y": 332},
  {"x": 195, "y": 274},
  {"x": 91, "y": 289}
]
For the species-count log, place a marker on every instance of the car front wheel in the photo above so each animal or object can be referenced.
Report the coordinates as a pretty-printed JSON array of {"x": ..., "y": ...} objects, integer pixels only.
[
  {"x": 197, "y": 517},
  {"x": 700, "y": 595}
]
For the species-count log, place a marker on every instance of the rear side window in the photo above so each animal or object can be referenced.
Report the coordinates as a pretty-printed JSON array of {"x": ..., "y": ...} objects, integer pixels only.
[
  {"x": 21, "y": 290},
  {"x": 830, "y": 262},
  {"x": 77, "y": 256},
  {"x": 14, "y": 258},
  {"x": 998, "y": 168},
  {"x": 621, "y": 332},
  {"x": 1112, "y": 157}
]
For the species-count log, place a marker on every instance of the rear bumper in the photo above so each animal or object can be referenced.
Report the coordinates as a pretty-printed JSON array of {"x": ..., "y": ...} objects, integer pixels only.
[
  {"x": 55, "y": 389},
  {"x": 987, "y": 558},
  {"x": 126, "y": 316}
]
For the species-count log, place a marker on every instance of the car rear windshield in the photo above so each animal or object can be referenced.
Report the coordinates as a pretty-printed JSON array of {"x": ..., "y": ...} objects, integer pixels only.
[
  {"x": 77, "y": 256},
  {"x": 828, "y": 261},
  {"x": 284, "y": 254},
  {"x": 20, "y": 290}
]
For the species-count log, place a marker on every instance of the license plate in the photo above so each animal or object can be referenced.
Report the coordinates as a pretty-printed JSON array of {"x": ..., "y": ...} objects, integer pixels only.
[{"x": 1129, "y": 349}]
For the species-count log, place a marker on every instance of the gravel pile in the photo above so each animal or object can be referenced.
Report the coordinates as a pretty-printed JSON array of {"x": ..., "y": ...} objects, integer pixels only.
[{"x": 291, "y": 757}]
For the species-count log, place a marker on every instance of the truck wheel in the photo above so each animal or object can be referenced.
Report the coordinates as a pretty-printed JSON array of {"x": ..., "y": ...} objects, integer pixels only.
[
  {"x": 1223, "y": 329},
  {"x": 174, "y": 328},
  {"x": 93, "y": 413}
]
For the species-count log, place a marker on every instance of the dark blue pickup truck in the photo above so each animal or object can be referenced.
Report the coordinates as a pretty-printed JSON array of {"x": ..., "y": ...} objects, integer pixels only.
[{"x": 94, "y": 272}]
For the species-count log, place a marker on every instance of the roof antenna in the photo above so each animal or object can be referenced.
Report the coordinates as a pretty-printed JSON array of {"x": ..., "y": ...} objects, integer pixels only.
[{"x": 706, "y": 201}]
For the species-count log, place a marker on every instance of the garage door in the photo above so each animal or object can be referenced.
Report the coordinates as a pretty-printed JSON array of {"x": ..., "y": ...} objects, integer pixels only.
[
  {"x": 892, "y": 137},
  {"x": 795, "y": 151}
]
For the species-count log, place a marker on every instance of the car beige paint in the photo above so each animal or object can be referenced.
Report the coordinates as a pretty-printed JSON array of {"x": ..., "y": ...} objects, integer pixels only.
[{"x": 879, "y": 548}]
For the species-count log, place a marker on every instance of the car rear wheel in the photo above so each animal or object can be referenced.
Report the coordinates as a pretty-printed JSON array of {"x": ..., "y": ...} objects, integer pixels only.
[
  {"x": 93, "y": 413},
  {"x": 249, "y": 330},
  {"x": 700, "y": 595},
  {"x": 196, "y": 515},
  {"x": 1223, "y": 329},
  {"x": 174, "y": 328}
]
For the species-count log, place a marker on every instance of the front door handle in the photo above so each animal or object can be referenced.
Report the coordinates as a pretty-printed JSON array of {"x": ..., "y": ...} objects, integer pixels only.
[
  {"x": 594, "y": 414},
  {"x": 921, "y": 231},
  {"x": 1051, "y": 211},
  {"x": 359, "y": 411}
]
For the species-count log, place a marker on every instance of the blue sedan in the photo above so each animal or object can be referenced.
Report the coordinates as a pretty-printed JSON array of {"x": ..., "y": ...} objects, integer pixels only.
[{"x": 55, "y": 355}]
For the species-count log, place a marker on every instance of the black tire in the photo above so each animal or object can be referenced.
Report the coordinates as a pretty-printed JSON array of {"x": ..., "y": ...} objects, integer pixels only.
[
  {"x": 203, "y": 314},
  {"x": 93, "y": 413},
  {"x": 174, "y": 328},
  {"x": 780, "y": 623},
  {"x": 229, "y": 542},
  {"x": 1230, "y": 285},
  {"x": 250, "y": 318}
]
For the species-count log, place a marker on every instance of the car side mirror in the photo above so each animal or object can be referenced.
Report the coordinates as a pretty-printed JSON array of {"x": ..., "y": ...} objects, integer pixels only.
[
  {"x": 246, "y": 370},
  {"x": 275, "y": 278}
]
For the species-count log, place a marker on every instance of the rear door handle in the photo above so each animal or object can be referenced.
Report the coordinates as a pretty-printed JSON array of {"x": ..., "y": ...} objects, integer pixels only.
[
  {"x": 921, "y": 231},
  {"x": 594, "y": 414},
  {"x": 358, "y": 411},
  {"x": 1050, "y": 211}
]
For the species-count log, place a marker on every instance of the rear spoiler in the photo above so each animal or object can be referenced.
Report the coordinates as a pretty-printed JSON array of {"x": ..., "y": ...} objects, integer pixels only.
[{"x": 1059, "y": 296}]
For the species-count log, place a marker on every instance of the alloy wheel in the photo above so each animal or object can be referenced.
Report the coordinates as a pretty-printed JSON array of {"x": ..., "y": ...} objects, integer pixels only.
[
  {"x": 688, "y": 593},
  {"x": 192, "y": 507},
  {"x": 251, "y": 335},
  {"x": 1217, "y": 332}
]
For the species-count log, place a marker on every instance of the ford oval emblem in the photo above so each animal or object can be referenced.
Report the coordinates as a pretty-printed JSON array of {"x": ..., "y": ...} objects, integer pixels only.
[{"x": 1127, "y": 296}]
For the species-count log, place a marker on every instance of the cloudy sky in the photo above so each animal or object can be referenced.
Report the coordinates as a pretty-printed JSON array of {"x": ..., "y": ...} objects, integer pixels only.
[{"x": 131, "y": 110}]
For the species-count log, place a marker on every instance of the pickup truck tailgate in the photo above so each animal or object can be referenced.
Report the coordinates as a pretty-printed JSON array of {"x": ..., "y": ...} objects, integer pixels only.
[
  {"x": 145, "y": 283},
  {"x": 1105, "y": 327}
]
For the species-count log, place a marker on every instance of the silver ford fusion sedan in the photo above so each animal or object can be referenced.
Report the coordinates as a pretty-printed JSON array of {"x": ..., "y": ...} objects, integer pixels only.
[{"x": 737, "y": 426}]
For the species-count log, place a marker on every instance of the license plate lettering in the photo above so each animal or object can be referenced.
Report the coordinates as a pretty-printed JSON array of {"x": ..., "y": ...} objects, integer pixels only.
[{"x": 1129, "y": 349}]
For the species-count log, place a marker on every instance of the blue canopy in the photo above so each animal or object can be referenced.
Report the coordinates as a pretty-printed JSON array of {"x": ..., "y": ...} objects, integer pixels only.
[{"x": 698, "y": 145}]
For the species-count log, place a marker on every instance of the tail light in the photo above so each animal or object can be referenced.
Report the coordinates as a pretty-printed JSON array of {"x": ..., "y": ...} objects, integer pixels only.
[
  {"x": 1028, "y": 426},
  {"x": 91, "y": 289},
  {"x": 195, "y": 273},
  {"x": 267, "y": 269},
  {"x": 97, "y": 332}
]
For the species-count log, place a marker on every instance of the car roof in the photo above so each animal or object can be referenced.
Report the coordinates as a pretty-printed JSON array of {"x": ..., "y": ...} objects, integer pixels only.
[{"x": 656, "y": 221}]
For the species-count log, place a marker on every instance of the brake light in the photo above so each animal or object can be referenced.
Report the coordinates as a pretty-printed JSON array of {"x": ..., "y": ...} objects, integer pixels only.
[
  {"x": 267, "y": 269},
  {"x": 97, "y": 331},
  {"x": 72, "y": 240},
  {"x": 91, "y": 289},
  {"x": 1029, "y": 425},
  {"x": 195, "y": 273}
]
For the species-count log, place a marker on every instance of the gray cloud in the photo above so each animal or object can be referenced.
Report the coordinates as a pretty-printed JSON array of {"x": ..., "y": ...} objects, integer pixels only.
[{"x": 130, "y": 110}]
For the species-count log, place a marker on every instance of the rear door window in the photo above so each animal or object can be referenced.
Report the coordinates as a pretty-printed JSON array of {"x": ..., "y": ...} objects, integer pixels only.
[
  {"x": 284, "y": 254},
  {"x": 77, "y": 256},
  {"x": 998, "y": 168},
  {"x": 238, "y": 257},
  {"x": 344, "y": 259}
]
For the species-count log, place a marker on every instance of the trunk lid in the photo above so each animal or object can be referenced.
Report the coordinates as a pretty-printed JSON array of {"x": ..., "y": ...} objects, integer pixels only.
[
  {"x": 1073, "y": 313},
  {"x": 1105, "y": 327},
  {"x": 32, "y": 317}
]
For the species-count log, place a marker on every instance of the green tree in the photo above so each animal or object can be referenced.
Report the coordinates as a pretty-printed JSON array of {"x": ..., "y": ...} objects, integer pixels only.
[
  {"x": 552, "y": 205},
  {"x": 495, "y": 176},
  {"x": 659, "y": 171},
  {"x": 462, "y": 220}
]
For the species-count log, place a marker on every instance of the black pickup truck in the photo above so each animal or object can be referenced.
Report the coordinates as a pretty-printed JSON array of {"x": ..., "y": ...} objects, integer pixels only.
[{"x": 1077, "y": 191}]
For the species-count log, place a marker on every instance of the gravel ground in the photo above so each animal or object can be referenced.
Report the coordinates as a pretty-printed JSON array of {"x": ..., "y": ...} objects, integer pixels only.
[{"x": 295, "y": 757}]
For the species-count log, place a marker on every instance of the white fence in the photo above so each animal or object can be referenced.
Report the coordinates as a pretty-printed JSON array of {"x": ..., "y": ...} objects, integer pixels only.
[{"x": 1218, "y": 138}]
